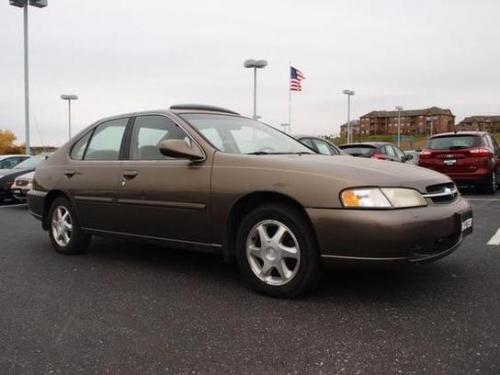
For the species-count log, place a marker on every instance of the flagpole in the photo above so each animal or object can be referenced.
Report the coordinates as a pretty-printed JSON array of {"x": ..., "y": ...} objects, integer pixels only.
[{"x": 289, "y": 100}]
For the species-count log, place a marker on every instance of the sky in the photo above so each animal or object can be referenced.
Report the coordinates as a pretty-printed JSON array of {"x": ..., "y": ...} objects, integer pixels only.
[{"x": 122, "y": 56}]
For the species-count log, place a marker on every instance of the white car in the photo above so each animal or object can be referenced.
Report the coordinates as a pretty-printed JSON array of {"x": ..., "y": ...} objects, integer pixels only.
[
  {"x": 11, "y": 160},
  {"x": 21, "y": 186}
]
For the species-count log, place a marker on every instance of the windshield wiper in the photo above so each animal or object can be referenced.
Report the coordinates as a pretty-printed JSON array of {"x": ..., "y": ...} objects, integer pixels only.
[
  {"x": 259, "y": 153},
  {"x": 280, "y": 153}
]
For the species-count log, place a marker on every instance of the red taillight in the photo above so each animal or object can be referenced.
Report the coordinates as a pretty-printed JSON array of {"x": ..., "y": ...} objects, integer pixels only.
[
  {"x": 425, "y": 154},
  {"x": 480, "y": 152},
  {"x": 378, "y": 155}
]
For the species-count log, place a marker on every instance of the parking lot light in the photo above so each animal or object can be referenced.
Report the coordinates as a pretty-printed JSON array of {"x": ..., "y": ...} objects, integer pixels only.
[
  {"x": 399, "y": 109},
  {"x": 349, "y": 93},
  {"x": 255, "y": 64},
  {"x": 69, "y": 98},
  {"x": 24, "y": 4}
]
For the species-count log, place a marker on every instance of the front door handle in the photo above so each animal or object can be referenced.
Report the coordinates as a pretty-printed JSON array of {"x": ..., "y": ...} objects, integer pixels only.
[
  {"x": 130, "y": 174},
  {"x": 69, "y": 172}
]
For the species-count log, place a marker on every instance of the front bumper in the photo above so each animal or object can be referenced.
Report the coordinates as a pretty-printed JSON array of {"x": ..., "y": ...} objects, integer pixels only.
[
  {"x": 20, "y": 193},
  {"x": 390, "y": 236}
]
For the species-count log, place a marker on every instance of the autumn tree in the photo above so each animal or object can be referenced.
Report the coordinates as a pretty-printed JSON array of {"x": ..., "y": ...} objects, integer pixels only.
[{"x": 7, "y": 145}]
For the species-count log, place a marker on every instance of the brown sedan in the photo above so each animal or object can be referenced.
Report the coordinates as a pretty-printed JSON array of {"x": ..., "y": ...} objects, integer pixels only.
[{"x": 208, "y": 179}]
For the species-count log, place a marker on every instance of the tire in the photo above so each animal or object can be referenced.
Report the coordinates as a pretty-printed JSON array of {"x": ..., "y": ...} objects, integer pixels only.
[
  {"x": 490, "y": 187},
  {"x": 269, "y": 269},
  {"x": 75, "y": 241}
]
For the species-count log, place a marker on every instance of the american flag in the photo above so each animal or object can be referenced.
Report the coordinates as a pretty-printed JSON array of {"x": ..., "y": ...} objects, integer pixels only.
[{"x": 296, "y": 77}]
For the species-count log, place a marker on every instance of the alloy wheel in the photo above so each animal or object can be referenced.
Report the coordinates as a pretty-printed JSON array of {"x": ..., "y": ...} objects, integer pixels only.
[
  {"x": 273, "y": 252},
  {"x": 62, "y": 226}
]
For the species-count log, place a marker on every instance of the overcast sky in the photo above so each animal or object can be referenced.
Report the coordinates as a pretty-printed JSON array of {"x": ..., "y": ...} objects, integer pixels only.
[{"x": 122, "y": 56}]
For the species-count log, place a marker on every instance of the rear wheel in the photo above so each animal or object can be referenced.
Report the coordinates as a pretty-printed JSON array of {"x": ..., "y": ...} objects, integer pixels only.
[
  {"x": 491, "y": 185},
  {"x": 277, "y": 252},
  {"x": 64, "y": 231}
]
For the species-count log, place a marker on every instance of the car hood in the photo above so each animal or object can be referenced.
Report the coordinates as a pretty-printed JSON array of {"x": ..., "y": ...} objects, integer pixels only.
[
  {"x": 347, "y": 171},
  {"x": 3, "y": 172},
  {"x": 26, "y": 176},
  {"x": 13, "y": 173}
]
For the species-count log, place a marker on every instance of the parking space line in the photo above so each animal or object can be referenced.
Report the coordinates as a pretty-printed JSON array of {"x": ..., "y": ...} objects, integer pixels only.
[
  {"x": 483, "y": 199},
  {"x": 495, "y": 240},
  {"x": 14, "y": 205}
]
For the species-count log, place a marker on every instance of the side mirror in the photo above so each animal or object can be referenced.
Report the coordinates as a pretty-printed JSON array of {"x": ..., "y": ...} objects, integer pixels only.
[
  {"x": 180, "y": 149},
  {"x": 408, "y": 157}
]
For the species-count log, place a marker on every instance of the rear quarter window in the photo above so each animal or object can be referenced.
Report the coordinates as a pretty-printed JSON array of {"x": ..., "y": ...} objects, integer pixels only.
[{"x": 454, "y": 142}]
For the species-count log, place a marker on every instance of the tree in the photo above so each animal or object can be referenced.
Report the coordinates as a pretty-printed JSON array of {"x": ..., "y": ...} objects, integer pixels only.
[{"x": 7, "y": 145}]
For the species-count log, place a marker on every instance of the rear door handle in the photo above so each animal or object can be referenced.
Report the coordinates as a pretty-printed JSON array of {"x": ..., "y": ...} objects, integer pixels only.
[
  {"x": 69, "y": 172},
  {"x": 130, "y": 174}
]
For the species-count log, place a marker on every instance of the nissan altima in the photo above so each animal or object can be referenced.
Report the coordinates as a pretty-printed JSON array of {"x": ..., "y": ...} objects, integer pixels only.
[{"x": 205, "y": 178}]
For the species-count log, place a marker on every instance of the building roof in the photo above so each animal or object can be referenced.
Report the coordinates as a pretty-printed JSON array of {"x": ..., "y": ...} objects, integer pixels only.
[
  {"x": 432, "y": 111},
  {"x": 471, "y": 119},
  {"x": 353, "y": 123}
]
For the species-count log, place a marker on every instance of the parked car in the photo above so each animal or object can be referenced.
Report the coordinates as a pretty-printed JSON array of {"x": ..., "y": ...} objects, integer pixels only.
[
  {"x": 206, "y": 178},
  {"x": 7, "y": 177},
  {"x": 10, "y": 161},
  {"x": 320, "y": 145},
  {"x": 376, "y": 150},
  {"x": 471, "y": 157},
  {"x": 21, "y": 186}
]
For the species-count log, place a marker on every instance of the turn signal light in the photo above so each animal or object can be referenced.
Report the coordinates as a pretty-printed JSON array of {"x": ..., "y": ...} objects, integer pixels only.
[
  {"x": 479, "y": 152},
  {"x": 425, "y": 154}
]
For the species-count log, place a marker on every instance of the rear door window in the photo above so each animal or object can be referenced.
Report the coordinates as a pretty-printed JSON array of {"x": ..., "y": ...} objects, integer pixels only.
[
  {"x": 388, "y": 150},
  {"x": 106, "y": 141},
  {"x": 454, "y": 142},
  {"x": 399, "y": 154}
]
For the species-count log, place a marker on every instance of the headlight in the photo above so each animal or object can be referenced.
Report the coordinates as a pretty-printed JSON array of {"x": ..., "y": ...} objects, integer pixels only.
[{"x": 382, "y": 198}]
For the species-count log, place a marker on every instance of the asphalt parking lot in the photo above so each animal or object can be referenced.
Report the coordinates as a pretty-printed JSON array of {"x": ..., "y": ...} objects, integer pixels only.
[{"x": 130, "y": 308}]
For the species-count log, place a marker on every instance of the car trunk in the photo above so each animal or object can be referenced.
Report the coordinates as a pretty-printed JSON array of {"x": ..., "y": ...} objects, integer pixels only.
[{"x": 453, "y": 154}]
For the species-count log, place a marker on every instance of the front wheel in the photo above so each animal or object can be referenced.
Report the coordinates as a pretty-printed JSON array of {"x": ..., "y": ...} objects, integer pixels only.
[
  {"x": 65, "y": 233},
  {"x": 277, "y": 252}
]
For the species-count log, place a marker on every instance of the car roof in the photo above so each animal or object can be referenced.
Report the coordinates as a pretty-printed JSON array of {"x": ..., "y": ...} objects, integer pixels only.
[
  {"x": 11, "y": 155},
  {"x": 300, "y": 136},
  {"x": 374, "y": 144},
  {"x": 175, "y": 109},
  {"x": 468, "y": 132}
]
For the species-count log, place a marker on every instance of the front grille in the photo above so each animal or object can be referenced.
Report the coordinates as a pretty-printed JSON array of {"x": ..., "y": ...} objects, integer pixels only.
[
  {"x": 442, "y": 193},
  {"x": 22, "y": 182}
]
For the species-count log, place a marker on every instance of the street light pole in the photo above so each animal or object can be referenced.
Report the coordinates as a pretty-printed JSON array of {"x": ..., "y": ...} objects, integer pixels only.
[
  {"x": 26, "y": 83},
  {"x": 255, "y": 64},
  {"x": 24, "y": 4},
  {"x": 349, "y": 93},
  {"x": 399, "y": 109},
  {"x": 69, "y": 98}
]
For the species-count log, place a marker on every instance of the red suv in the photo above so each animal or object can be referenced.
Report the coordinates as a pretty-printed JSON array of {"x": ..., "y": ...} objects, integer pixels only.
[{"x": 466, "y": 157}]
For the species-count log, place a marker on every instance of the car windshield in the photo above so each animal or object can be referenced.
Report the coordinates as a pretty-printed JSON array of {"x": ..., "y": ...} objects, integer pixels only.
[
  {"x": 358, "y": 150},
  {"x": 238, "y": 135},
  {"x": 453, "y": 142},
  {"x": 30, "y": 163}
]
